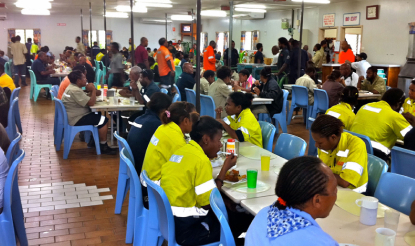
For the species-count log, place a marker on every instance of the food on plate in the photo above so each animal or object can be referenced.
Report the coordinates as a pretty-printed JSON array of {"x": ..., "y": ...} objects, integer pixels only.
[{"x": 233, "y": 176}]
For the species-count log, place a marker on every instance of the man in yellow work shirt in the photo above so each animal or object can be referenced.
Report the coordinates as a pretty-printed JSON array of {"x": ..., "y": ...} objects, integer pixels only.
[
  {"x": 35, "y": 47},
  {"x": 409, "y": 104},
  {"x": 101, "y": 54},
  {"x": 5, "y": 80}
]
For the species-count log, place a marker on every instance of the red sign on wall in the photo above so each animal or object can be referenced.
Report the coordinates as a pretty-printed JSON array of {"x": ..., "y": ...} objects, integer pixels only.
[
  {"x": 61, "y": 24},
  {"x": 174, "y": 29}
]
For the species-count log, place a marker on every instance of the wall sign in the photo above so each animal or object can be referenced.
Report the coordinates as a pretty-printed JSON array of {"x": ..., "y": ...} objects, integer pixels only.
[
  {"x": 328, "y": 20},
  {"x": 372, "y": 12},
  {"x": 61, "y": 24},
  {"x": 351, "y": 19}
]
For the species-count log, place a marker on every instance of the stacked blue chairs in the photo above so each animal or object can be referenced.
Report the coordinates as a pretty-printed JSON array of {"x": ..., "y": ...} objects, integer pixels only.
[
  {"x": 159, "y": 202},
  {"x": 207, "y": 106},
  {"x": 403, "y": 162},
  {"x": 176, "y": 98},
  {"x": 321, "y": 102},
  {"x": 396, "y": 191},
  {"x": 365, "y": 139},
  {"x": 300, "y": 100},
  {"x": 11, "y": 219},
  {"x": 71, "y": 131},
  {"x": 268, "y": 132},
  {"x": 219, "y": 208},
  {"x": 13, "y": 149},
  {"x": 37, "y": 87},
  {"x": 289, "y": 146},
  {"x": 15, "y": 94},
  {"x": 190, "y": 96},
  {"x": 11, "y": 119},
  {"x": 312, "y": 149},
  {"x": 376, "y": 167},
  {"x": 178, "y": 73},
  {"x": 178, "y": 92},
  {"x": 164, "y": 91}
]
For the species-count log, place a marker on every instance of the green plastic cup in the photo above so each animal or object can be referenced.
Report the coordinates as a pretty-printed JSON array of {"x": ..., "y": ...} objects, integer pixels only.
[{"x": 252, "y": 177}]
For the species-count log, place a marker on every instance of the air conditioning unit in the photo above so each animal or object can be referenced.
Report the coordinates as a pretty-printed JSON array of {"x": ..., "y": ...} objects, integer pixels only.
[
  {"x": 249, "y": 16},
  {"x": 3, "y": 17}
]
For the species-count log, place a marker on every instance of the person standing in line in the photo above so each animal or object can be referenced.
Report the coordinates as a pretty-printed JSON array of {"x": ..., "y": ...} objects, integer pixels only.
[
  {"x": 284, "y": 57},
  {"x": 35, "y": 47},
  {"x": 116, "y": 66},
  {"x": 346, "y": 54},
  {"x": 320, "y": 57},
  {"x": 29, "y": 44},
  {"x": 19, "y": 52},
  {"x": 79, "y": 46},
  {"x": 276, "y": 53},
  {"x": 361, "y": 65},
  {"x": 165, "y": 64},
  {"x": 209, "y": 60},
  {"x": 95, "y": 50},
  {"x": 141, "y": 54},
  {"x": 234, "y": 56},
  {"x": 259, "y": 57}
]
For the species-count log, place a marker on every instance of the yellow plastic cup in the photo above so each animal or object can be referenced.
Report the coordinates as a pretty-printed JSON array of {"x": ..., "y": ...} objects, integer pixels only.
[
  {"x": 99, "y": 87},
  {"x": 265, "y": 162}
]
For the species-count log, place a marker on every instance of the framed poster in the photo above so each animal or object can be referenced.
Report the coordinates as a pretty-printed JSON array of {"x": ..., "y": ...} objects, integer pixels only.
[
  {"x": 372, "y": 12},
  {"x": 328, "y": 20},
  {"x": 351, "y": 19}
]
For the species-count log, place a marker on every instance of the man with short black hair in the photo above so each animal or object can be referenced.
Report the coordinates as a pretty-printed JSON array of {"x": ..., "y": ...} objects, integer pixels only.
[
  {"x": 95, "y": 50},
  {"x": 80, "y": 47},
  {"x": 361, "y": 65},
  {"x": 259, "y": 57},
  {"x": 221, "y": 88},
  {"x": 116, "y": 66},
  {"x": 373, "y": 83},
  {"x": 350, "y": 77},
  {"x": 186, "y": 80},
  {"x": 141, "y": 54},
  {"x": 165, "y": 65},
  {"x": 29, "y": 44},
  {"x": 320, "y": 57},
  {"x": 207, "y": 79},
  {"x": 294, "y": 57},
  {"x": 234, "y": 56},
  {"x": 42, "y": 72},
  {"x": 307, "y": 80},
  {"x": 209, "y": 60},
  {"x": 90, "y": 73},
  {"x": 19, "y": 52}
]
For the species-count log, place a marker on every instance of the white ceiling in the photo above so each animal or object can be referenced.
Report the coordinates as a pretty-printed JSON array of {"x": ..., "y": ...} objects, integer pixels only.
[{"x": 70, "y": 7}]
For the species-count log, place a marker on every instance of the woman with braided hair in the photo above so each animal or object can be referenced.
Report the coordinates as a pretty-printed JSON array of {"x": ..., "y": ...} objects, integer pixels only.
[
  {"x": 306, "y": 190},
  {"x": 343, "y": 152},
  {"x": 344, "y": 110}
]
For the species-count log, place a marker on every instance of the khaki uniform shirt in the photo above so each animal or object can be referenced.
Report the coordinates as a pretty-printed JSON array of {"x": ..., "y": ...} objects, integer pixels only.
[
  {"x": 75, "y": 101},
  {"x": 310, "y": 84},
  {"x": 204, "y": 86},
  {"x": 80, "y": 48},
  {"x": 319, "y": 58},
  {"x": 219, "y": 91},
  {"x": 378, "y": 84},
  {"x": 18, "y": 51}
]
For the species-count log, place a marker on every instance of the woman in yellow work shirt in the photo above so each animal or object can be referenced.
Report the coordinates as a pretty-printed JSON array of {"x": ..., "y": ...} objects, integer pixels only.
[
  {"x": 241, "y": 124},
  {"x": 187, "y": 181},
  {"x": 169, "y": 137},
  {"x": 409, "y": 104},
  {"x": 344, "y": 153},
  {"x": 344, "y": 110}
]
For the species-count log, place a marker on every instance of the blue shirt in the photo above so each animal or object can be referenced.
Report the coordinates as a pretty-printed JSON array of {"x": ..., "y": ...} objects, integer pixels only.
[
  {"x": 37, "y": 67},
  {"x": 139, "y": 137},
  {"x": 95, "y": 50},
  {"x": 311, "y": 235},
  {"x": 185, "y": 81},
  {"x": 149, "y": 91}
]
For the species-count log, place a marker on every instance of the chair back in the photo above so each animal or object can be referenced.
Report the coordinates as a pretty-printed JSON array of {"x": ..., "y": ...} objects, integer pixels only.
[
  {"x": 219, "y": 208},
  {"x": 55, "y": 90},
  {"x": 190, "y": 96},
  {"x": 178, "y": 92},
  {"x": 32, "y": 78},
  {"x": 207, "y": 106},
  {"x": 11, "y": 120},
  {"x": 285, "y": 103},
  {"x": 135, "y": 186},
  {"x": 97, "y": 72},
  {"x": 403, "y": 162},
  {"x": 164, "y": 91},
  {"x": 178, "y": 72},
  {"x": 321, "y": 100},
  {"x": 98, "y": 77},
  {"x": 13, "y": 149},
  {"x": 312, "y": 149},
  {"x": 396, "y": 191},
  {"x": 176, "y": 98},
  {"x": 268, "y": 132},
  {"x": 365, "y": 139},
  {"x": 289, "y": 146},
  {"x": 122, "y": 144},
  {"x": 15, "y": 93},
  {"x": 62, "y": 112},
  {"x": 375, "y": 168},
  {"x": 158, "y": 200},
  {"x": 299, "y": 96},
  {"x": 7, "y": 68}
]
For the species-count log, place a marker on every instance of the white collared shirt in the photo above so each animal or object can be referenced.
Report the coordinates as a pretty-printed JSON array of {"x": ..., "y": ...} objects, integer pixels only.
[
  {"x": 361, "y": 67},
  {"x": 352, "y": 80}
]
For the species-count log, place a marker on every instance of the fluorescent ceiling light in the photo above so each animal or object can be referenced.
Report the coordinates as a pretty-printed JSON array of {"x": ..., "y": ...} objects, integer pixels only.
[
  {"x": 182, "y": 17},
  {"x": 158, "y": 5},
  {"x": 30, "y": 4},
  {"x": 136, "y": 8},
  {"x": 116, "y": 15},
  {"x": 251, "y": 10},
  {"x": 154, "y": 1},
  {"x": 214, "y": 13},
  {"x": 251, "y": 6},
  {"x": 35, "y": 12},
  {"x": 156, "y": 20},
  {"x": 312, "y": 1}
]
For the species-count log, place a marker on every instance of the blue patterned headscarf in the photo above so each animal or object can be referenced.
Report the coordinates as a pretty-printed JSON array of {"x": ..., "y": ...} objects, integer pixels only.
[{"x": 281, "y": 222}]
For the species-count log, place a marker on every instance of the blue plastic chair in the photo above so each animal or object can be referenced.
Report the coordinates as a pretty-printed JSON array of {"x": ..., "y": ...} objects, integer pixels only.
[
  {"x": 365, "y": 139},
  {"x": 178, "y": 92},
  {"x": 289, "y": 146},
  {"x": 164, "y": 91},
  {"x": 403, "y": 162},
  {"x": 176, "y": 98},
  {"x": 178, "y": 72},
  {"x": 312, "y": 149},
  {"x": 219, "y": 208},
  {"x": 7, "y": 69},
  {"x": 207, "y": 106},
  {"x": 376, "y": 167},
  {"x": 98, "y": 78},
  {"x": 281, "y": 118},
  {"x": 396, "y": 191},
  {"x": 159, "y": 202},
  {"x": 58, "y": 126},
  {"x": 55, "y": 91},
  {"x": 321, "y": 102},
  {"x": 268, "y": 133},
  {"x": 13, "y": 149},
  {"x": 11, "y": 219},
  {"x": 37, "y": 88},
  {"x": 300, "y": 100},
  {"x": 11, "y": 119},
  {"x": 190, "y": 96},
  {"x": 15, "y": 94},
  {"x": 71, "y": 131}
]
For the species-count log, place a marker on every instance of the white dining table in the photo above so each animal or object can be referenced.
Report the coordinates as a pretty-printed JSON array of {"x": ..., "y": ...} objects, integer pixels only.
[{"x": 262, "y": 101}]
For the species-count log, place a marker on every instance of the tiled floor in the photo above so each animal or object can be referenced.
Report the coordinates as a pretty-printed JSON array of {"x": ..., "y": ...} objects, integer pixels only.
[{"x": 71, "y": 202}]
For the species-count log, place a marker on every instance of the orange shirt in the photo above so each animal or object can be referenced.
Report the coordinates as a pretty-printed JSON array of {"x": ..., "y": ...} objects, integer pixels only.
[
  {"x": 87, "y": 61},
  {"x": 36, "y": 57},
  {"x": 348, "y": 55},
  {"x": 164, "y": 55},
  {"x": 62, "y": 87},
  {"x": 209, "y": 61}
]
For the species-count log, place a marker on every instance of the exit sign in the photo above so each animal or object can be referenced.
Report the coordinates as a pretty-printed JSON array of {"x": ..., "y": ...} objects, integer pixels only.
[{"x": 61, "y": 24}]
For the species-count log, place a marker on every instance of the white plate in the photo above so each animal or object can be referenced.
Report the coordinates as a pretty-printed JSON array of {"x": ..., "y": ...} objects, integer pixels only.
[
  {"x": 363, "y": 91},
  {"x": 260, "y": 187},
  {"x": 234, "y": 183}
]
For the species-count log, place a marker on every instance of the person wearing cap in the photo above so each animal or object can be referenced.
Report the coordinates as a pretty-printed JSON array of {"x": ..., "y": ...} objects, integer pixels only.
[{"x": 361, "y": 65}]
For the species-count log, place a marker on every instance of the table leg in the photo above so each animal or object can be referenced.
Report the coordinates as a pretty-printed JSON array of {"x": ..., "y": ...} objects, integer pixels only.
[
  {"x": 118, "y": 122},
  {"x": 112, "y": 129}
]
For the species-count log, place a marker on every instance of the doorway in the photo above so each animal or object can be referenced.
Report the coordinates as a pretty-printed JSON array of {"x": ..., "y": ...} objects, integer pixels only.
[{"x": 353, "y": 35}]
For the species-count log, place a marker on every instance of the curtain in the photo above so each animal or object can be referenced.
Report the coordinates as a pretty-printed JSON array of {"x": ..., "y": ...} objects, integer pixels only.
[
  {"x": 108, "y": 38},
  {"x": 37, "y": 35},
  {"x": 255, "y": 39},
  {"x": 217, "y": 38},
  {"x": 12, "y": 33},
  {"x": 242, "y": 40},
  {"x": 206, "y": 41},
  {"x": 85, "y": 37},
  {"x": 225, "y": 41}
]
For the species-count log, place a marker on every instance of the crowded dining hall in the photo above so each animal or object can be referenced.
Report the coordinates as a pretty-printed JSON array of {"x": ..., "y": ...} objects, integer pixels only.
[{"x": 190, "y": 122}]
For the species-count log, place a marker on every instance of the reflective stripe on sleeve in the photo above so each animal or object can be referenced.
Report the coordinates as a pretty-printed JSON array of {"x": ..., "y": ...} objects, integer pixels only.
[
  {"x": 176, "y": 158},
  {"x": 227, "y": 121},
  {"x": 101, "y": 121},
  {"x": 406, "y": 130},
  {"x": 205, "y": 187},
  {"x": 146, "y": 98},
  {"x": 361, "y": 189},
  {"x": 244, "y": 130},
  {"x": 353, "y": 166},
  {"x": 380, "y": 147},
  {"x": 167, "y": 56},
  {"x": 334, "y": 114},
  {"x": 369, "y": 108},
  {"x": 154, "y": 140},
  {"x": 135, "y": 124},
  {"x": 187, "y": 212},
  {"x": 343, "y": 153},
  {"x": 211, "y": 57}
]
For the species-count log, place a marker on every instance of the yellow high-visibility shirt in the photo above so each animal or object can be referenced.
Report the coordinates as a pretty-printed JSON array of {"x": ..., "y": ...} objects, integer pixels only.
[
  {"x": 246, "y": 126},
  {"x": 165, "y": 141},
  {"x": 99, "y": 56},
  {"x": 187, "y": 180},
  {"x": 34, "y": 49},
  {"x": 7, "y": 81},
  {"x": 344, "y": 112},
  {"x": 177, "y": 62},
  {"x": 381, "y": 124},
  {"x": 409, "y": 106},
  {"x": 349, "y": 161}
]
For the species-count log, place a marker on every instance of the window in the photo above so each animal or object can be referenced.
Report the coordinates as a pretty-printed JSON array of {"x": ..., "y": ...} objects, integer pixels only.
[
  {"x": 354, "y": 37},
  {"x": 24, "y": 34},
  {"x": 248, "y": 41},
  {"x": 221, "y": 42},
  {"x": 97, "y": 36},
  {"x": 203, "y": 38}
]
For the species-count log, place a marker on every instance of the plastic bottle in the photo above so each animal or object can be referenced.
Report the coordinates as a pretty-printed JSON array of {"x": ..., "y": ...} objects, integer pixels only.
[{"x": 230, "y": 146}]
